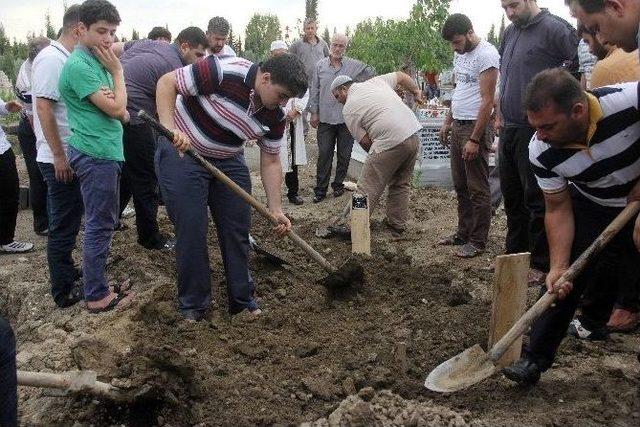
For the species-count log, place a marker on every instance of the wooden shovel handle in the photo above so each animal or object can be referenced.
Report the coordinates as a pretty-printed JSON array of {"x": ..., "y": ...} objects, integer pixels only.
[
  {"x": 219, "y": 175},
  {"x": 499, "y": 348}
]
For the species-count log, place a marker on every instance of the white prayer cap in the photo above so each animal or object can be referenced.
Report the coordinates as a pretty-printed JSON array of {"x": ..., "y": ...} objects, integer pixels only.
[
  {"x": 278, "y": 44},
  {"x": 339, "y": 81}
]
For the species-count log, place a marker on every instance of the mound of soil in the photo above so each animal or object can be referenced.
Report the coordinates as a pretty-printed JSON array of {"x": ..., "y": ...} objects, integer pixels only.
[{"x": 307, "y": 356}]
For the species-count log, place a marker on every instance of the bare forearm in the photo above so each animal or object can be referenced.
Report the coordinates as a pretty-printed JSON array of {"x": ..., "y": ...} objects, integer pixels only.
[
  {"x": 559, "y": 224},
  {"x": 50, "y": 126},
  {"x": 484, "y": 115},
  {"x": 166, "y": 95},
  {"x": 407, "y": 82},
  {"x": 271, "y": 173}
]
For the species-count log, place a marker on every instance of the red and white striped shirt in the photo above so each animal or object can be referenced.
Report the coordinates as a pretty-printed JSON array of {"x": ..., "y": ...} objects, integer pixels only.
[{"x": 215, "y": 109}]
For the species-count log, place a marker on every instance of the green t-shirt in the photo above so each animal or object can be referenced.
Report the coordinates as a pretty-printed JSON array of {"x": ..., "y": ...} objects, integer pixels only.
[{"x": 92, "y": 131}]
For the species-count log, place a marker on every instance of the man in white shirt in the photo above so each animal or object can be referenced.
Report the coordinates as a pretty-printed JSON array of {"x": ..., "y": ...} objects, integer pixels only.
[
  {"x": 476, "y": 63},
  {"x": 218, "y": 35},
  {"x": 386, "y": 128},
  {"x": 52, "y": 131}
]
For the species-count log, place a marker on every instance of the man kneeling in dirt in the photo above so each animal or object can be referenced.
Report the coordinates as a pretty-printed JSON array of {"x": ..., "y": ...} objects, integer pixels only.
[
  {"x": 386, "y": 128},
  {"x": 222, "y": 103},
  {"x": 585, "y": 157}
]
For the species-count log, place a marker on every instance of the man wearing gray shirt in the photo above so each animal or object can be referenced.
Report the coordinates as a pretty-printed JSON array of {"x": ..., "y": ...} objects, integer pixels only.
[
  {"x": 326, "y": 115},
  {"x": 309, "y": 49},
  {"x": 535, "y": 41}
]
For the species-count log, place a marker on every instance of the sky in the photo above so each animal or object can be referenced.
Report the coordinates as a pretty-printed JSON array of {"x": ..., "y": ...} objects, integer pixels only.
[{"x": 22, "y": 17}]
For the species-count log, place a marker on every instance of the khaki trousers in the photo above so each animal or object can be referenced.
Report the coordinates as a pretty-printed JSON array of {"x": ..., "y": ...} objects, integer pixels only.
[{"x": 392, "y": 168}]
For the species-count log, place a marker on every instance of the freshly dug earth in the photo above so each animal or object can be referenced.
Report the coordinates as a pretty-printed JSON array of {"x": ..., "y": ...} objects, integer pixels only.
[{"x": 309, "y": 357}]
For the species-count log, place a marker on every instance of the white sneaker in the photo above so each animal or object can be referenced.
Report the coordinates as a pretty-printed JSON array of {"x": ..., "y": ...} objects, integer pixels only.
[
  {"x": 128, "y": 212},
  {"x": 16, "y": 247}
]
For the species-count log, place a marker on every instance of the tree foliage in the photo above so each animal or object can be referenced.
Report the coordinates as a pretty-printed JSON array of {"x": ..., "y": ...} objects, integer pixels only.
[
  {"x": 311, "y": 9},
  {"x": 12, "y": 54},
  {"x": 388, "y": 45},
  {"x": 325, "y": 35},
  {"x": 492, "y": 37},
  {"x": 50, "y": 31},
  {"x": 135, "y": 35},
  {"x": 261, "y": 30}
]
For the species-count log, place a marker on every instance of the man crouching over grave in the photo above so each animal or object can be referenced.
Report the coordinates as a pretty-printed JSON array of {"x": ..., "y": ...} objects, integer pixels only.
[
  {"x": 585, "y": 155},
  {"x": 386, "y": 128},
  {"x": 213, "y": 107}
]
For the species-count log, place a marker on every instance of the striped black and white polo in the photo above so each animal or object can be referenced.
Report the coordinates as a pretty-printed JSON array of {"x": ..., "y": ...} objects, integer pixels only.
[{"x": 607, "y": 170}]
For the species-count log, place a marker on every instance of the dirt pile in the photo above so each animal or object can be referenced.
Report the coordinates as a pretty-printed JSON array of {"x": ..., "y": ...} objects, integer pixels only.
[
  {"x": 418, "y": 306},
  {"x": 385, "y": 409}
]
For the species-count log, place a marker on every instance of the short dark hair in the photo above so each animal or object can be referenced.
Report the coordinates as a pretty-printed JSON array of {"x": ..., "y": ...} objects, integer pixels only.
[
  {"x": 589, "y": 6},
  {"x": 288, "y": 71},
  {"x": 194, "y": 36},
  {"x": 159, "y": 32},
  {"x": 92, "y": 11},
  {"x": 555, "y": 86},
  {"x": 456, "y": 24},
  {"x": 71, "y": 17},
  {"x": 218, "y": 25},
  {"x": 35, "y": 45}
]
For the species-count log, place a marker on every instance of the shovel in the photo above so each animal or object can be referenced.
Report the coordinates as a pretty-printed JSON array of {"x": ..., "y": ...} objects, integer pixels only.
[
  {"x": 347, "y": 275},
  {"x": 474, "y": 365}
]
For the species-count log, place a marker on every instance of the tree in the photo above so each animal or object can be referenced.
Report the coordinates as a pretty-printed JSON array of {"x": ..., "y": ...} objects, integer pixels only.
[
  {"x": 5, "y": 44},
  {"x": 501, "y": 33},
  {"x": 491, "y": 37},
  {"x": 135, "y": 35},
  {"x": 50, "y": 31},
  {"x": 325, "y": 36},
  {"x": 387, "y": 45},
  {"x": 311, "y": 9},
  {"x": 261, "y": 30}
]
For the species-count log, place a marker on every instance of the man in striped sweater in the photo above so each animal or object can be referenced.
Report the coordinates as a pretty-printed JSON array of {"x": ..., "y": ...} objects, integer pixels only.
[
  {"x": 214, "y": 106},
  {"x": 586, "y": 157}
]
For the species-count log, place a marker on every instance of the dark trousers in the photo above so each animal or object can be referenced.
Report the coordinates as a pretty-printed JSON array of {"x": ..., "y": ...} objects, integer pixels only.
[
  {"x": 188, "y": 189},
  {"x": 65, "y": 207},
  {"x": 8, "y": 380},
  {"x": 291, "y": 178},
  {"x": 523, "y": 199},
  {"x": 99, "y": 185},
  {"x": 37, "y": 185},
  {"x": 471, "y": 182},
  {"x": 328, "y": 137},
  {"x": 618, "y": 263},
  {"x": 9, "y": 196},
  {"x": 139, "y": 180}
]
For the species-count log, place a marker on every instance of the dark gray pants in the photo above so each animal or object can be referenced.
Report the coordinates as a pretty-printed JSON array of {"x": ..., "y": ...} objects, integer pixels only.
[
  {"x": 187, "y": 189},
  {"x": 328, "y": 137}
]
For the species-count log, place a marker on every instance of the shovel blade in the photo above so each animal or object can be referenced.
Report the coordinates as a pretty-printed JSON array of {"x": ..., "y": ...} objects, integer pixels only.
[{"x": 464, "y": 370}]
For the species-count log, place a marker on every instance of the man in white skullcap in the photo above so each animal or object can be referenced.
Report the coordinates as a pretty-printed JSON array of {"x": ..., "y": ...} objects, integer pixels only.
[
  {"x": 293, "y": 152},
  {"x": 387, "y": 129}
]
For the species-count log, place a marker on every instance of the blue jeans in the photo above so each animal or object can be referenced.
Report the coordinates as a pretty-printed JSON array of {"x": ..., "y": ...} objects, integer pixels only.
[
  {"x": 8, "y": 380},
  {"x": 187, "y": 189},
  {"x": 99, "y": 185},
  {"x": 65, "y": 209}
]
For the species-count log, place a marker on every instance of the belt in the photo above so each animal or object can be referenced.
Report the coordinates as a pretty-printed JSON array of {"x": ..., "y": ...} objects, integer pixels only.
[{"x": 464, "y": 122}]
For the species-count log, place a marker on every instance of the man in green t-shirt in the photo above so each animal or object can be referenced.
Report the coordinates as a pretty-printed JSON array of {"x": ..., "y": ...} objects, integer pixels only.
[{"x": 92, "y": 86}]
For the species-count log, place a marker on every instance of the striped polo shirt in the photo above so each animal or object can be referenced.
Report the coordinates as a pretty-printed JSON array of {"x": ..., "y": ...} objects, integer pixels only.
[
  {"x": 606, "y": 170},
  {"x": 215, "y": 108}
]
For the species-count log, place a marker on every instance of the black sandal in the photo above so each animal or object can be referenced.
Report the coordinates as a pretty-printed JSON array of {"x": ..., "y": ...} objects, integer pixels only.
[{"x": 113, "y": 304}]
